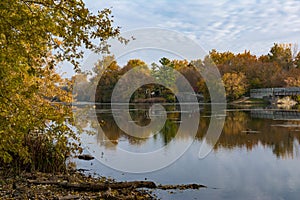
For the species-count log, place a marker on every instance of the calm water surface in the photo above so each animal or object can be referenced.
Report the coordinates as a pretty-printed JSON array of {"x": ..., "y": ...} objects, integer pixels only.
[{"x": 257, "y": 155}]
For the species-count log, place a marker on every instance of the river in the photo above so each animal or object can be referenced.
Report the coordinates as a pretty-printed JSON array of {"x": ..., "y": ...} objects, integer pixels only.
[{"x": 257, "y": 155}]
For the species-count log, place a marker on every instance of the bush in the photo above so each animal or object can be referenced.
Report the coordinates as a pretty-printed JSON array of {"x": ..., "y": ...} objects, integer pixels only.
[{"x": 43, "y": 154}]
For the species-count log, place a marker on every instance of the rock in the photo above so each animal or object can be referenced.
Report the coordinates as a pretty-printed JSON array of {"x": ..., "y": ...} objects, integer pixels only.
[
  {"x": 286, "y": 101},
  {"x": 85, "y": 157}
]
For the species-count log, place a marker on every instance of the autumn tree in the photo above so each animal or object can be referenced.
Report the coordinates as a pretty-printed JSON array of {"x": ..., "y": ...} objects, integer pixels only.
[
  {"x": 209, "y": 80},
  {"x": 107, "y": 76},
  {"x": 133, "y": 63},
  {"x": 297, "y": 60},
  {"x": 235, "y": 85},
  {"x": 81, "y": 87},
  {"x": 35, "y": 36},
  {"x": 221, "y": 60},
  {"x": 292, "y": 78},
  {"x": 282, "y": 54},
  {"x": 190, "y": 73},
  {"x": 201, "y": 83},
  {"x": 139, "y": 74}
]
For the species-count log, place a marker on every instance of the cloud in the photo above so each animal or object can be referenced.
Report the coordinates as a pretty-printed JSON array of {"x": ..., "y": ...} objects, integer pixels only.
[{"x": 224, "y": 25}]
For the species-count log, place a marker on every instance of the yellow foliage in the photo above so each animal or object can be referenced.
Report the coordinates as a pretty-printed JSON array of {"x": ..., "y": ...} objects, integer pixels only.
[
  {"x": 35, "y": 37},
  {"x": 235, "y": 84}
]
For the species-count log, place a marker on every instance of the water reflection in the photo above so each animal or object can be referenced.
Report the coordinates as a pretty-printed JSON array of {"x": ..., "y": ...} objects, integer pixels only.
[
  {"x": 141, "y": 116},
  {"x": 242, "y": 128},
  {"x": 256, "y": 157}
]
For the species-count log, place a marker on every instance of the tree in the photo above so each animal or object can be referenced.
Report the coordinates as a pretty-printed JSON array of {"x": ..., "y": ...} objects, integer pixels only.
[
  {"x": 221, "y": 58},
  {"x": 139, "y": 74},
  {"x": 282, "y": 54},
  {"x": 189, "y": 71},
  {"x": 108, "y": 72},
  {"x": 235, "y": 85},
  {"x": 81, "y": 87},
  {"x": 35, "y": 36},
  {"x": 133, "y": 63},
  {"x": 292, "y": 78},
  {"x": 242, "y": 61},
  {"x": 297, "y": 60},
  {"x": 164, "y": 74}
]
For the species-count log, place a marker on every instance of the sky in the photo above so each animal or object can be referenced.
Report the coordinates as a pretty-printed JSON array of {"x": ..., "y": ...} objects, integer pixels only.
[{"x": 224, "y": 25}]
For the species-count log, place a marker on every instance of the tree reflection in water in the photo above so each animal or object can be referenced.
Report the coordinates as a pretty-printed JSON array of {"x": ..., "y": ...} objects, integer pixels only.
[{"x": 240, "y": 129}]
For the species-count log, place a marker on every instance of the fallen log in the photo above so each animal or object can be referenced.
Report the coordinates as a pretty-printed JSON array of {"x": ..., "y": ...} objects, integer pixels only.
[
  {"x": 97, "y": 186},
  {"x": 181, "y": 187},
  {"x": 116, "y": 185}
]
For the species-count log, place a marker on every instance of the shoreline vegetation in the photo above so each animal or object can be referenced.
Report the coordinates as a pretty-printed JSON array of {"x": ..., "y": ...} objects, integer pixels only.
[{"x": 239, "y": 74}]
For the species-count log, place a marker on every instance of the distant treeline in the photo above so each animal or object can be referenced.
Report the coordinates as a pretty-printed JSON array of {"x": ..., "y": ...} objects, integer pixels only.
[{"x": 240, "y": 73}]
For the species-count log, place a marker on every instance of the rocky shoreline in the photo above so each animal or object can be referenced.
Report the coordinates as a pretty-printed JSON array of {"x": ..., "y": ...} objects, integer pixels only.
[
  {"x": 51, "y": 186},
  {"x": 75, "y": 185}
]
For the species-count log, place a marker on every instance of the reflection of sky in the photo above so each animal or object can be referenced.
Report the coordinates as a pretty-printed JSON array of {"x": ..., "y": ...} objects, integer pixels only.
[
  {"x": 237, "y": 174},
  {"x": 224, "y": 25}
]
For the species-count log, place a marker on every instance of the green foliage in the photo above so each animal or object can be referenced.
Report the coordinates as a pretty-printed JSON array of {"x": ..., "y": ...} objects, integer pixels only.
[
  {"x": 163, "y": 73},
  {"x": 35, "y": 36}
]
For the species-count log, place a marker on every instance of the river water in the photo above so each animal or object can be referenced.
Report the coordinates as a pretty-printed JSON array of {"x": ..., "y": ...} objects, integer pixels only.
[{"x": 257, "y": 155}]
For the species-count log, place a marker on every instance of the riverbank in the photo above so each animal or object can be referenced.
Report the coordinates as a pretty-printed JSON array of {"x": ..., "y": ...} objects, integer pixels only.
[
  {"x": 76, "y": 185},
  {"x": 285, "y": 102},
  {"x": 250, "y": 101},
  {"x": 73, "y": 185}
]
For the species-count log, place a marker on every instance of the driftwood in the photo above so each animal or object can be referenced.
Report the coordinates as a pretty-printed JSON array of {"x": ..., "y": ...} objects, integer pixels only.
[{"x": 115, "y": 185}]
